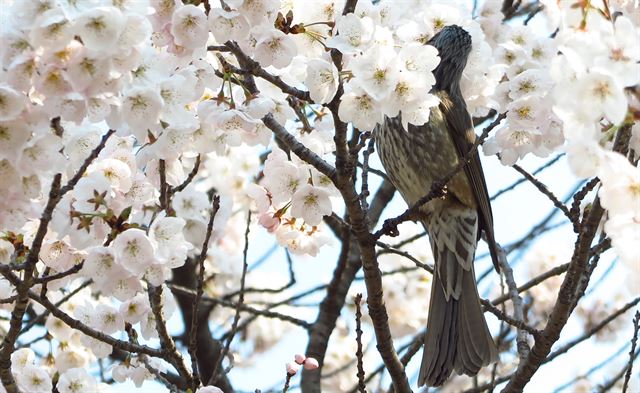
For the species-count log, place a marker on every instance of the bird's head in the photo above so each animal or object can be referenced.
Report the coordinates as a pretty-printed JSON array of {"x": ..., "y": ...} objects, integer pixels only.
[{"x": 454, "y": 45}]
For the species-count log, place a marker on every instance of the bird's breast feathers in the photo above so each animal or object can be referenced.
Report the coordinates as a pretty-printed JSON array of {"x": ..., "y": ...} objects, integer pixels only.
[{"x": 415, "y": 158}]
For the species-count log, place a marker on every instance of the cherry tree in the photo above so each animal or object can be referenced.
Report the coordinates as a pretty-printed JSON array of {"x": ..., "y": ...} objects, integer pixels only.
[{"x": 146, "y": 146}]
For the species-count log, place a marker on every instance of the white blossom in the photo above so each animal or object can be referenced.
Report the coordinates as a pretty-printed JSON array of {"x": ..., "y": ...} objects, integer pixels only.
[
  {"x": 321, "y": 80},
  {"x": 311, "y": 204},
  {"x": 41, "y": 154},
  {"x": 22, "y": 358},
  {"x": 622, "y": 55},
  {"x": 528, "y": 83},
  {"x": 141, "y": 109},
  {"x": 34, "y": 379},
  {"x": 283, "y": 182},
  {"x": 620, "y": 191},
  {"x": 274, "y": 48},
  {"x": 51, "y": 30},
  {"x": 190, "y": 203},
  {"x": 12, "y": 102},
  {"x": 601, "y": 95},
  {"x": 13, "y": 136},
  {"x": 259, "y": 11},
  {"x": 116, "y": 172},
  {"x": 171, "y": 247},
  {"x": 134, "y": 251},
  {"x": 189, "y": 27},
  {"x": 376, "y": 71},
  {"x": 100, "y": 27},
  {"x": 360, "y": 108},
  {"x": 108, "y": 319},
  {"x": 418, "y": 60},
  {"x": 76, "y": 380},
  {"x": 209, "y": 389},
  {"x": 133, "y": 310},
  {"x": 57, "y": 255},
  {"x": 58, "y": 329},
  {"x": 354, "y": 34},
  {"x": 227, "y": 25}
]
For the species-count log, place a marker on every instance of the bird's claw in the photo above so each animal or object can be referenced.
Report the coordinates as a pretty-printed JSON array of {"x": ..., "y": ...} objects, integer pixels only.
[{"x": 390, "y": 227}]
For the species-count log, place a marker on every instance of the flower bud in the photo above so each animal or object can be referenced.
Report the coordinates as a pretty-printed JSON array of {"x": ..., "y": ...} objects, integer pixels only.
[
  {"x": 311, "y": 364},
  {"x": 292, "y": 368},
  {"x": 300, "y": 359}
]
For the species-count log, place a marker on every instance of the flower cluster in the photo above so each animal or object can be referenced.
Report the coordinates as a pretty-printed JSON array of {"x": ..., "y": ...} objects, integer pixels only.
[
  {"x": 290, "y": 191},
  {"x": 598, "y": 60},
  {"x": 33, "y": 378},
  {"x": 521, "y": 67},
  {"x": 300, "y": 360},
  {"x": 568, "y": 93}
]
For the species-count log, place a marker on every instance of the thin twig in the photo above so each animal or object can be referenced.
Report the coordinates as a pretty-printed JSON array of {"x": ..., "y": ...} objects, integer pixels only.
[
  {"x": 593, "y": 369},
  {"x": 164, "y": 187},
  {"x": 77, "y": 325},
  {"x": 387, "y": 249},
  {"x": 577, "y": 200},
  {"x": 189, "y": 179},
  {"x": 612, "y": 382},
  {"x": 166, "y": 341},
  {"x": 522, "y": 179},
  {"x": 236, "y": 318},
  {"x": 364, "y": 190},
  {"x": 502, "y": 316},
  {"x": 287, "y": 381},
  {"x": 360, "y": 374},
  {"x": 40, "y": 318},
  {"x": 518, "y": 308},
  {"x": 544, "y": 190},
  {"x": 253, "y": 67},
  {"x": 243, "y": 307},
  {"x": 632, "y": 351},
  {"x": 199, "y": 291}
]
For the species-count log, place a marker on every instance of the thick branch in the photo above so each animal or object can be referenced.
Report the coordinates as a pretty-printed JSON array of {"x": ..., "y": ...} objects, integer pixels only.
[{"x": 569, "y": 293}]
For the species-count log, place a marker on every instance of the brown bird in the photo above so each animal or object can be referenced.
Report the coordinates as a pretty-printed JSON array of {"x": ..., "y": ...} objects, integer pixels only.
[{"x": 457, "y": 336}]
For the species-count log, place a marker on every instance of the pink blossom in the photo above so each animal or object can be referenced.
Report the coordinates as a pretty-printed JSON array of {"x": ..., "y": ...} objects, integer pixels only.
[
  {"x": 269, "y": 221},
  {"x": 292, "y": 368}
]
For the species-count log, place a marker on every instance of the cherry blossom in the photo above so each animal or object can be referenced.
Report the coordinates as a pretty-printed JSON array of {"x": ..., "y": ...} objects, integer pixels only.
[
  {"x": 354, "y": 34},
  {"x": 376, "y": 71},
  {"x": 141, "y": 109},
  {"x": 322, "y": 80},
  {"x": 274, "y": 48},
  {"x": 134, "y": 251},
  {"x": 11, "y": 103},
  {"x": 100, "y": 27},
  {"x": 34, "y": 379},
  {"x": 311, "y": 203},
  {"x": 228, "y": 25},
  {"x": 360, "y": 108},
  {"x": 189, "y": 26},
  {"x": 76, "y": 380}
]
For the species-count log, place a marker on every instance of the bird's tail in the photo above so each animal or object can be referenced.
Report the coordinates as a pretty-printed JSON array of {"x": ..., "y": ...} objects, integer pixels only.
[{"x": 457, "y": 336}]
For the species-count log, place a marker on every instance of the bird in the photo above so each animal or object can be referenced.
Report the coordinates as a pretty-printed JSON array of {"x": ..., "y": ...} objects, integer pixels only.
[{"x": 457, "y": 337}]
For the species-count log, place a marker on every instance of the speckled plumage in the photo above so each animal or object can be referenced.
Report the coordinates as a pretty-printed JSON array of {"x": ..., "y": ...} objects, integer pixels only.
[{"x": 457, "y": 335}]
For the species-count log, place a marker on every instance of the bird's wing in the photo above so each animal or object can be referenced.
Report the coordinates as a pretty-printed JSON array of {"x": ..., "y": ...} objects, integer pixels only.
[{"x": 460, "y": 128}]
